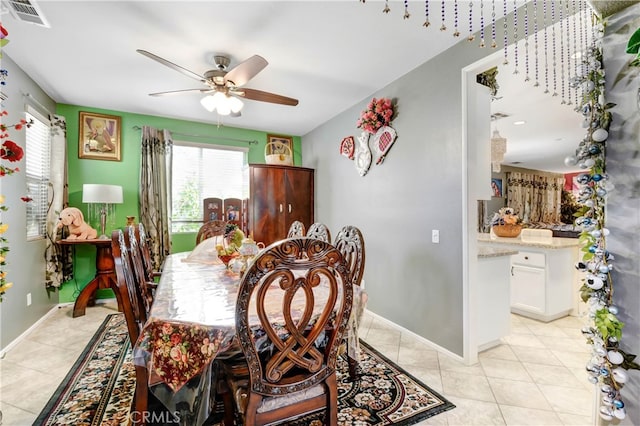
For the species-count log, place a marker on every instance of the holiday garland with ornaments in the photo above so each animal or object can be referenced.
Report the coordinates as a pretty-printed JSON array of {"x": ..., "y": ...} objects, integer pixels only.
[{"x": 608, "y": 364}]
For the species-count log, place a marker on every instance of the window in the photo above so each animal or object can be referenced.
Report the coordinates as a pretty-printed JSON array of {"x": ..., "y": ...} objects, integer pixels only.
[
  {"x": 202, "y": 171},
  {"x": 38, "y": 156}
]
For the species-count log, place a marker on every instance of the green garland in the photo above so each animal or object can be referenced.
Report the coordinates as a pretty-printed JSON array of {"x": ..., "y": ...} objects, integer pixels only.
[{"x": 609, "y": 362}]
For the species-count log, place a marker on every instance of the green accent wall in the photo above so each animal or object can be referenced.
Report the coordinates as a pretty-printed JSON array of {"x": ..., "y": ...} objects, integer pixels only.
[{"x": 127, "y": 174}]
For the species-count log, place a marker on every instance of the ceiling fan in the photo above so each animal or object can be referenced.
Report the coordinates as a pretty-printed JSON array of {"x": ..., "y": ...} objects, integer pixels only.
[{"x": 224, "y": 87}]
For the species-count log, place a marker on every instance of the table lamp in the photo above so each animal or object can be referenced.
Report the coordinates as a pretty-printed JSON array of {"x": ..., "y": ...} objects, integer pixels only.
[{"x": 101, "y": 200}]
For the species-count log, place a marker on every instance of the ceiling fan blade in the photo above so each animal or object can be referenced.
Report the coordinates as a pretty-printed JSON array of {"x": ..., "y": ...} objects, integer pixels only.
[
  {"x": 178, "y": 92},
  {"x": 246, "y": 70},
  {"x": 171, "y": 65},
  {"x": 259, "y": 95}
]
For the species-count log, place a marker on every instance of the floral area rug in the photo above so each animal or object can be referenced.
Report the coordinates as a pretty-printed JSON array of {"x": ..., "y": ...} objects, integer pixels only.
[{"x": 99, "y": 388}]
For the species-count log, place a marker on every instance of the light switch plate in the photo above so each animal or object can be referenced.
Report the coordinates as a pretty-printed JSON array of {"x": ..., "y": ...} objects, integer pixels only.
[{"x": 435, "y": 236}]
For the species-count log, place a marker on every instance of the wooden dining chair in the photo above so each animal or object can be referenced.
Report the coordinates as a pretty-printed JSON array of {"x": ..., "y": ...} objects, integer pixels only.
[
  {"x": 147, "y": 287},
  {"x": 296, "y": 229},
  {"x": 135, "y": 315},
  {"x": 291, "y": 356},
  {"x": 212, "y": 228},
  {"x": 143, "y": 244},
  {"x": 319, "y": 231},
  {"x": 350, "y": 243}
]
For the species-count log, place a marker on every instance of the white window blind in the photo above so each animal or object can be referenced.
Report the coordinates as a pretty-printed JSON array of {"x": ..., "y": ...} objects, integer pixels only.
[
  {"x": 38, "y": 156},
  {"x": 199, "y": 172}
]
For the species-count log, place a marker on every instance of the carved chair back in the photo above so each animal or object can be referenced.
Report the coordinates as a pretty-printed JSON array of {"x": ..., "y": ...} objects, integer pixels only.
[
  {"x": 296, "y": 229},
  {"x": 319, "y": 231},
  {"x": 212, "y": 228},
  {"x": 134, "y": 313},
  {"x": 309, "y": 279},
  {"x": 351, "y": 244},
  {"x": 132, "y": 239}
]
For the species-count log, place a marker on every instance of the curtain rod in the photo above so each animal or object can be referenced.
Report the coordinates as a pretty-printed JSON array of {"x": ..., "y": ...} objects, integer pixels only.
[{"x": 250, "y": 142}]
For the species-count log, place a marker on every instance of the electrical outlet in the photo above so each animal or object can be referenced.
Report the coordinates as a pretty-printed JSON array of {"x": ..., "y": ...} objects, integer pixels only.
[
  {"x": 435, "y": 236},
  {"x": 28, "y": 299}
]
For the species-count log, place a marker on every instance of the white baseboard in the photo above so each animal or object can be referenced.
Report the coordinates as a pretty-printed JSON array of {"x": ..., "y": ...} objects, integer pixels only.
[
  {"x": 416, "y": 336},
  {"x": 28, "y": 331}
]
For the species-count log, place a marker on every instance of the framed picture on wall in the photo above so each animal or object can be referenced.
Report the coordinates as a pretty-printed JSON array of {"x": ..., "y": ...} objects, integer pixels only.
[
  {"x": 275, "y": 148},
  {"x": 99, "y": 137},
  {"x": 496, "y": 187}
]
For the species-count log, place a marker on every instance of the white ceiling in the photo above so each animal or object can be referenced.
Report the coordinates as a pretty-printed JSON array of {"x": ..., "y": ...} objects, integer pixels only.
[{"x": 328, "y": 54}]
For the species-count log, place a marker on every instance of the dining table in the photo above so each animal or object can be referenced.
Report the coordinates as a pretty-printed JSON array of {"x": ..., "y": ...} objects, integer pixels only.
[{"x": 191, "y": 324}]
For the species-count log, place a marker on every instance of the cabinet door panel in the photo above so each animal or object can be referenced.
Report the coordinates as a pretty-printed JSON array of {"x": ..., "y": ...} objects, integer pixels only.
[
  {"x": 528, "y": 289},
  {"x": 299, "y": 193},
  {"x": 267, "y": 199}
]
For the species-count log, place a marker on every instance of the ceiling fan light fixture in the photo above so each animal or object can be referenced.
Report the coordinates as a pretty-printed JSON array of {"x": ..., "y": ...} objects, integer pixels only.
[
  {"x": 209, "y": 103},
  {"x": 235, "y": 104},
  {"x": 222, "y": 103}
]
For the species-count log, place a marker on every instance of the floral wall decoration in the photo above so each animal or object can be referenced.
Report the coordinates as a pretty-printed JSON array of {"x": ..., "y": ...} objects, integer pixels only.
[
  {"x": 375, "y": 120},
  {"x": 608, "y": 364},
  {"x": 10, "y": 153}
]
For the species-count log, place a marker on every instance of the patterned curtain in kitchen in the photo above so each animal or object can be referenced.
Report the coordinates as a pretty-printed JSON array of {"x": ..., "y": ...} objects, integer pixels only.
[
  {"x": 155, "y": 191},
  {"x": 535, "y": 197},
  {"x": 59, "y": 258}
]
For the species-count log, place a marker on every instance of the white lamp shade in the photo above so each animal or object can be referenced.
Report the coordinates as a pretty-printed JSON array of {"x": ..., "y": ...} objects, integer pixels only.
[{"x": 95, "y": 193}]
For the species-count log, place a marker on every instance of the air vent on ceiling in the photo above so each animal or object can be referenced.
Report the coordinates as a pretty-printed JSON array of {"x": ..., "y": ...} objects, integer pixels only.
[{"x": 27, "y": 11}]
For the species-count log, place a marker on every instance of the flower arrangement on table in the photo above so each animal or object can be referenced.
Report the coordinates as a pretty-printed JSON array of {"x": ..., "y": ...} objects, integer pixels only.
[
  {"x": 232, "y": 241},
  {"x": 379, "y": 113},
  {"x": 506, "y": 223}
]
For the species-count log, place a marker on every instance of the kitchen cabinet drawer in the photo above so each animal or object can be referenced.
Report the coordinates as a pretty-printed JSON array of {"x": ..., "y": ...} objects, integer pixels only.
[{"x": 527, "y": 258}]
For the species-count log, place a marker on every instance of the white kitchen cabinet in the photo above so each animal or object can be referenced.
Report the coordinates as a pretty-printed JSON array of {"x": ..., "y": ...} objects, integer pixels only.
[{"x": 542, "y": 283}]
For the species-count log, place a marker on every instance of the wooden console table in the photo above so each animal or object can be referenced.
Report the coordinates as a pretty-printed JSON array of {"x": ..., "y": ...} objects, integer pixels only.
[{"x": 105, "y": 275}]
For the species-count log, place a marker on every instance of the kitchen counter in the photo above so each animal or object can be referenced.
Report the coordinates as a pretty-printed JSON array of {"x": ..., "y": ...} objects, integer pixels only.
[
  {"x": 545, "y": 243},
  {"x": 492, "y": 251}
]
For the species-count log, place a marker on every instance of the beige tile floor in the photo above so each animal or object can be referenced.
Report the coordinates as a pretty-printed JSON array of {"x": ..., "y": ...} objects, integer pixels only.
[{"x": 535, "y": 378}]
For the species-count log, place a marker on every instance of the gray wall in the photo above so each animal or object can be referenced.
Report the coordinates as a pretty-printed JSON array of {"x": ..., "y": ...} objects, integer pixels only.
[
  {"x": 25, "y": 262},
  {"x": 410, "y": 280},
  {"x": 623, "y": 205}
]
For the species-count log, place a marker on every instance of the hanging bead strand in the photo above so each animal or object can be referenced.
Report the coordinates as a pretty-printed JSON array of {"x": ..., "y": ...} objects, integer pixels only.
[
  {"x": 386, "y": 7},
  {"x": 426, "y": 14},
  {"x": 456, "y": 33},
  {"x": 546, "y": 49},
  {"x": 481, "y": 24},
  {"x": 570, "y": 19},
  {"x": 407, "y": 15},
  {"x": 583, "y": 45},
  {"x": 443, "y": 27},
  {"x": 553, "y": 48},
  {"x": 471, "y": 35},
  {"x": 561, "y": 19},
  {"x": 535, "y": 39},
  {"x": 526, "y": 42},
  {"x": 576, "y": 13},
  {"x": 505, "y": 41},
  {"x": 515, "y": 35},
  {"x": 493, "y": 24}
]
